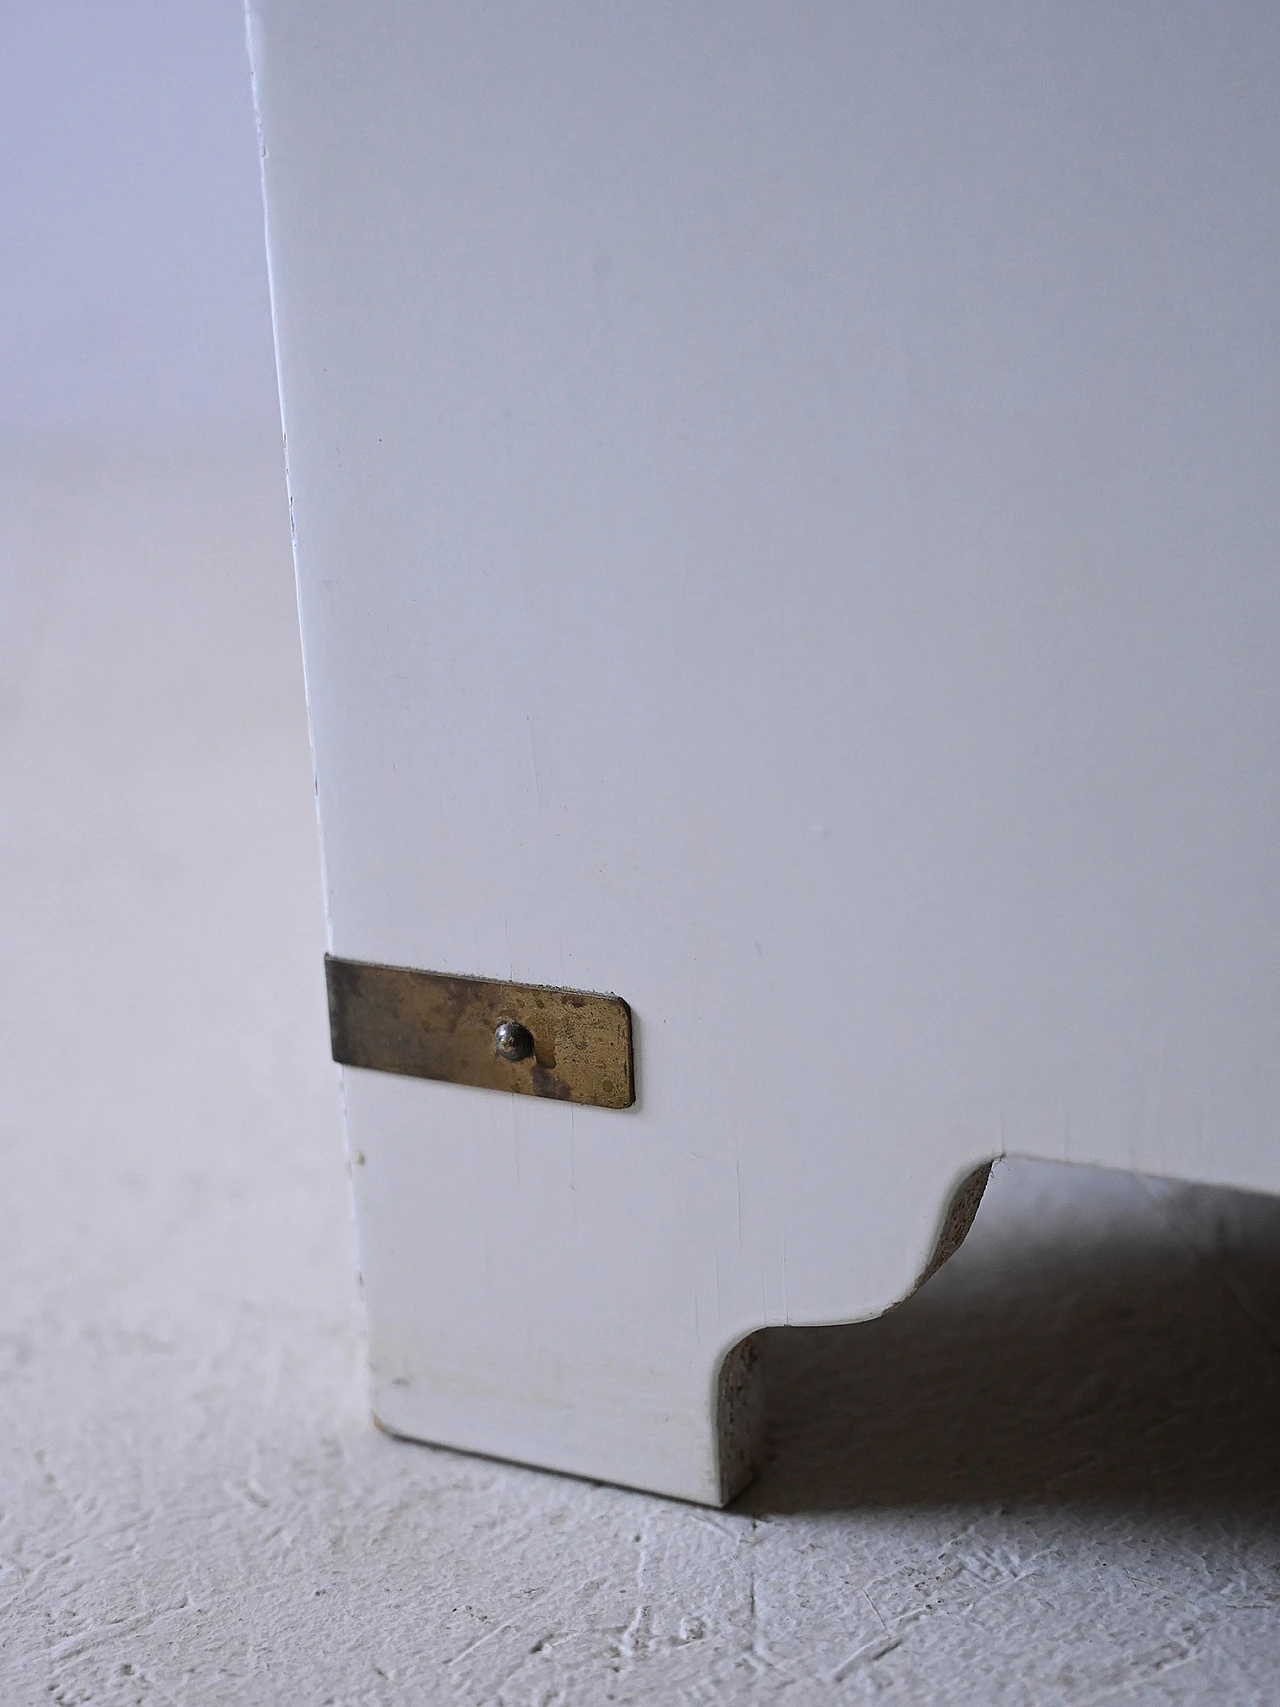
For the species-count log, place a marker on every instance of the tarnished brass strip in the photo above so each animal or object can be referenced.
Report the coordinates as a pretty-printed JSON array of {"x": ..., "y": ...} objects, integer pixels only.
[{"x": 529, "y": 1038}]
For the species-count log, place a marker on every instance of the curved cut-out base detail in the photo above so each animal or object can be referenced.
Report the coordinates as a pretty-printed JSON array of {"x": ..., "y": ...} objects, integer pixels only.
[
  {"x": 740, "y": 1416},
  {"x": 959, "y": 1218},
  {"x": 741, "y": 1396}
]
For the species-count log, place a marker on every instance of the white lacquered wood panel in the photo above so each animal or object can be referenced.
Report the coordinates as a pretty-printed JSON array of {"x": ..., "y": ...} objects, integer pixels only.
[{"x": 785, "y": 519}]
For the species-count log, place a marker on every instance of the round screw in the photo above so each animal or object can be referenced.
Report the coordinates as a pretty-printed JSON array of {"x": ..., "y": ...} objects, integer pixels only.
[{"x": 513, "y": 1041}]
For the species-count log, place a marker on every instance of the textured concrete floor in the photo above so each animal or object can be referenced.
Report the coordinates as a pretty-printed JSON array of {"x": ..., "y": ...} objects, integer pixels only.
[{"x": 1053, "y": 1476}]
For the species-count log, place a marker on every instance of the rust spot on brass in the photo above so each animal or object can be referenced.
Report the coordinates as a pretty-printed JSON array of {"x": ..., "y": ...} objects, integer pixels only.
[{"x": 533, "y": 1039}]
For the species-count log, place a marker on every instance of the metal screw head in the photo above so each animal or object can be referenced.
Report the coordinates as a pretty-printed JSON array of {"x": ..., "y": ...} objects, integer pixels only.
[{"x": 513, "y": 1041}]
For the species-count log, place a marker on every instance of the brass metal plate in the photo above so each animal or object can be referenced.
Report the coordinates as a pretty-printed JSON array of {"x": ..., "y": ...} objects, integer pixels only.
[{"x": 565, "y": 1044}]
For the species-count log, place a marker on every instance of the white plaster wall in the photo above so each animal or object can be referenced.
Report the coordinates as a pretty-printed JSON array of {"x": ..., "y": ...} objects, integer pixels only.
[{"x": 132, "y": 282}]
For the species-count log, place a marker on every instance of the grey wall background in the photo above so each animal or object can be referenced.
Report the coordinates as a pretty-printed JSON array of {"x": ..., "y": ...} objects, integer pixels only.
[{"x": 132, "y": 279}]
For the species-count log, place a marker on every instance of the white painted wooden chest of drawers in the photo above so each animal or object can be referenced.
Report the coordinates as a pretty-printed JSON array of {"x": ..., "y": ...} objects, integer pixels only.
[{"x": 785, "y": 505}]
